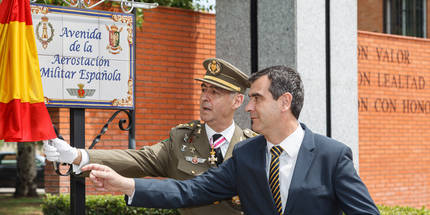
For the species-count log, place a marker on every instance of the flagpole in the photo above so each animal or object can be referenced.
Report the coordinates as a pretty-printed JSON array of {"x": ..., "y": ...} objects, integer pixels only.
[{"x": 132, "y": 131}]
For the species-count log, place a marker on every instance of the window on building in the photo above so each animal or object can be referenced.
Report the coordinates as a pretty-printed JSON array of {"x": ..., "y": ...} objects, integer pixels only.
[{"x": 405, "y": 17}]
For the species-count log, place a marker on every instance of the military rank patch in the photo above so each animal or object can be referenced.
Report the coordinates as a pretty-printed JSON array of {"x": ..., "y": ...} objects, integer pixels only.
[
  {"x": 249, "y": 133},
  {"x": 190, "y": 125}
]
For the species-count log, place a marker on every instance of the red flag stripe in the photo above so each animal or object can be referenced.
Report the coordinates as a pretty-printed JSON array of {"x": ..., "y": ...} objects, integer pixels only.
[
  {"x": 20, "y": 11},
  {"x": 25, "y": 122}
]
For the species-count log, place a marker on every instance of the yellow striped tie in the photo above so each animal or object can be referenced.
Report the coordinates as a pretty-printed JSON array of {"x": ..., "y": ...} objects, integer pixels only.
[{"x": 274, "y": 177}]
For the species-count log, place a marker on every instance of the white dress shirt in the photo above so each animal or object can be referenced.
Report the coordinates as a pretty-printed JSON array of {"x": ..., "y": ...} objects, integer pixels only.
[
  {"x": 227, "y": 134},
  {"x": 287, "y": 161}
]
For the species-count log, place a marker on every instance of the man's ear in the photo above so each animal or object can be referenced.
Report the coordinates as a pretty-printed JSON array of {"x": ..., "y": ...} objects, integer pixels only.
[
  {"x": 238, "y": 100},
  {"x": 285, "y": 100}
]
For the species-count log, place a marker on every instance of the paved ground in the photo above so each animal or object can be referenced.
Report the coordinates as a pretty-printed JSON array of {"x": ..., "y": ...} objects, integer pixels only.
[{"x": 12, "y": 190}]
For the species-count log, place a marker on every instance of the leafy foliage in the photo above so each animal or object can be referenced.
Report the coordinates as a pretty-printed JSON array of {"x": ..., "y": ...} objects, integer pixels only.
[
  {"x": 185, "y": 4},
  {"x": 114, "y": 6},
  {"x": 97, "y": 205},
  {"x": 108, "y": 204},
  {"x": 402, "y": 210},
  {"x": 199, "y": 5}
]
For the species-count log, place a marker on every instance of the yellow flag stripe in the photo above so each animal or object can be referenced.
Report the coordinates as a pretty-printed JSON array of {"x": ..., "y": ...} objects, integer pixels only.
[{"x": 19, "y": 54}]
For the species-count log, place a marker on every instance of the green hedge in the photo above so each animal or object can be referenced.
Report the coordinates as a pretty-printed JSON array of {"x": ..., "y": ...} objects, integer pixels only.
[
  {"x": 97, "y": 205},
  {"x": 108, "y": 204},
  {"x": 397, "y": 210}
]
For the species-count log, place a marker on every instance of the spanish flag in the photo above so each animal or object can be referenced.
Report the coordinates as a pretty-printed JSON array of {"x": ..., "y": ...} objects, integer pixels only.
[{"x": 23, "y": 114}]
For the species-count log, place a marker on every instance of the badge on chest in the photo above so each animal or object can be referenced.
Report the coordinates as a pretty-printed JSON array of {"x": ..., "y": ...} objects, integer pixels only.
[{"x": 194, "y": 159}]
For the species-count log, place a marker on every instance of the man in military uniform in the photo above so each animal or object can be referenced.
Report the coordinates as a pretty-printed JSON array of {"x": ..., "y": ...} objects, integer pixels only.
[{"x": 191, "y": 148}]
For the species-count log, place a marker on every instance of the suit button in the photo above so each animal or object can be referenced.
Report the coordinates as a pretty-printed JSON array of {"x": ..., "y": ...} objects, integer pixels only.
[{"x": 193, "y": 172}]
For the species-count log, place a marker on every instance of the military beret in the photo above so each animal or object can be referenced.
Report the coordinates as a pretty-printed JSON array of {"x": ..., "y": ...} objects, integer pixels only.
[{"x": 224, "y": 75}]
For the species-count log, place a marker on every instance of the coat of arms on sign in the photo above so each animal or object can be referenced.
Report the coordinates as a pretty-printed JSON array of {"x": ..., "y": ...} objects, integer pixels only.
[
  {"x": 47, "y": 33},
  {"x": 114, "y": 39}
]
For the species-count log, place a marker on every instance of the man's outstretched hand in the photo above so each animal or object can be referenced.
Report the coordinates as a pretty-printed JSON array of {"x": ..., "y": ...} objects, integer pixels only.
[{"x": 106, "y": 179}]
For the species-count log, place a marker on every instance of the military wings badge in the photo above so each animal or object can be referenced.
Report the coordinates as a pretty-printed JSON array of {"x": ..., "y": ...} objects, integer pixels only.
[{"x": 81, "y": 92}]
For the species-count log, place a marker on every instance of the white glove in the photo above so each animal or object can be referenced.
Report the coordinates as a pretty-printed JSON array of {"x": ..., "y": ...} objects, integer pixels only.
[{"x": 60, "y": 151}]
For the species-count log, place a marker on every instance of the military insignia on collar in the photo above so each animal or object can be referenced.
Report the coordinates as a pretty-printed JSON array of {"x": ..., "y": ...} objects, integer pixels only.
[
  {"x": 186, "y": 138},
  {"x": 214, "y": 67},
  {"x": 249, "y": 133},
  {"x": 195, "y": 159}
]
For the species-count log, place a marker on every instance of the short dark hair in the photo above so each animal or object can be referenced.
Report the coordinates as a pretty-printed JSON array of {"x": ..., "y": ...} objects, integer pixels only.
[{"x": 284, "y": 79}]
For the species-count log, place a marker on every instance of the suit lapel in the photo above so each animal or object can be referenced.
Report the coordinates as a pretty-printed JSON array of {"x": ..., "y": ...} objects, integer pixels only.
[
  {"x": 304, "y": 161},
  {"x": 237, "y": 137},
  {"x": 200, "y": 143}
]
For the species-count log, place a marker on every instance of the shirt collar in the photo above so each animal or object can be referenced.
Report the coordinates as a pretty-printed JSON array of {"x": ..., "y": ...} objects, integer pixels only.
[
  {"x": 292, "y": 143},
  {"x": 227, "y": 133}
]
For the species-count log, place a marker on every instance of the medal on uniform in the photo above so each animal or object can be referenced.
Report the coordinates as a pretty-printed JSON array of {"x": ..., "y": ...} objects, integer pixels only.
[
  {"x": 192, "y": 149},
  {"x": 212, "y": 159},
  {"x": 215, "y": 144},
  {"x": 183, "y": 148}
]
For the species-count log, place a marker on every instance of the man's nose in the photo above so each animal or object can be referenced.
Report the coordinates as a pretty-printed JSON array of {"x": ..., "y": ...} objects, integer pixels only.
[
  {"x": 204, "y": 96},
  {"x": 249, "y": 107}
]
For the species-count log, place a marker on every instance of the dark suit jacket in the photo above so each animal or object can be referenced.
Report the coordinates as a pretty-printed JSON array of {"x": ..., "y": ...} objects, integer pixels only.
[{"x": 324, "y": 182}]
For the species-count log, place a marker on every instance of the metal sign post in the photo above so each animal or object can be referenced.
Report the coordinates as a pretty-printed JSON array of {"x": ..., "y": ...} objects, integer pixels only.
[{"x": 77, "y": 139}]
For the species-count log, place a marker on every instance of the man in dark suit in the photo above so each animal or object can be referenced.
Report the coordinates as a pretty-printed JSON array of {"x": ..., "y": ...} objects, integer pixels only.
[{"x": 287, "y": 170}]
